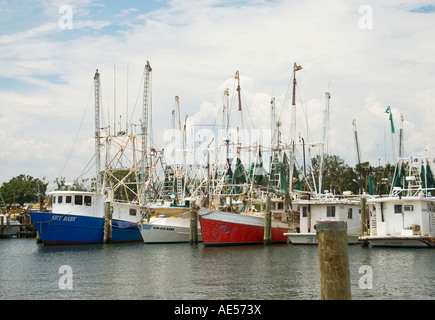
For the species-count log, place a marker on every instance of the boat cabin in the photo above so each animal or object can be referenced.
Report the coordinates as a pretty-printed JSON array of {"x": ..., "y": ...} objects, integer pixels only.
[
  {"x": 327, "y": 209},
  {"x": 405, "y": 216},
  {"x": 92, "y": 204}
]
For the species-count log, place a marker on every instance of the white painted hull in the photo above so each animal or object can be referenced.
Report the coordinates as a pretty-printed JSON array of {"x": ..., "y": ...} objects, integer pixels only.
[
  {"x": 168, "y": 230},
  {"x": 311, "y": 238},
  {"x": 400, "y": 242}
]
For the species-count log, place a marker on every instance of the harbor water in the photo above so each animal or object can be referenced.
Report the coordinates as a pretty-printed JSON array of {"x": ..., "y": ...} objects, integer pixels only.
[{"x": 193, "y": 272}]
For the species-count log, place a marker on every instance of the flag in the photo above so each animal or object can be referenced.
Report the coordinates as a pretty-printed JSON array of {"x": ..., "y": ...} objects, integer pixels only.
[{"x": 391, "y": 118}]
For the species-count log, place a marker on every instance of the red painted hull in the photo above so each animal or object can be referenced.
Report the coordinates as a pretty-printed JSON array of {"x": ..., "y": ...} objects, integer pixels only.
[{"x": 227, "y": 229}]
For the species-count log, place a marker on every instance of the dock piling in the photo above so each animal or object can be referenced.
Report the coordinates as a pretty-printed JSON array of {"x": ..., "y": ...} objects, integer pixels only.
[
  {"x": 107, "y": 224},
  {"x": 268, "y": 224},
  {"x": 193, "y": 235},
  {"x": 333, "y": 260}
]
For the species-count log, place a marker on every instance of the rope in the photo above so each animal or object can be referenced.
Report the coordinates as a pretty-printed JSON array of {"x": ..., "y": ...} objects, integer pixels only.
[{"x": 77, "y": 134}]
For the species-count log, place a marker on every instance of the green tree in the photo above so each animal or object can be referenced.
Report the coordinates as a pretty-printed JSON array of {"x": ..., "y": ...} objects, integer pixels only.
[
  {"x": 77, "y": 185},
  {"x": 337, "y": 176},
  {"x": 24, "y": 189}
]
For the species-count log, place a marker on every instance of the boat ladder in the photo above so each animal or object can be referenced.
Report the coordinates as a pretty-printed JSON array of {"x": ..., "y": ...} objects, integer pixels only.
[{"x": 373, "y": 225}]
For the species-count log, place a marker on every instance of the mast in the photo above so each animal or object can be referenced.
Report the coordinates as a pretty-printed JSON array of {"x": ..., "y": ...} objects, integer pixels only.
[
  {"x": 401, "y": 137},
  {"x": 179, "y": 174},
  {"x": 225, "y": 126},
  {"x": 97, "y": 94},
  {"x": 293, "y": 123},
  {"x": 393, "y": 132},
  {"x": 145, "y": 123},
  {"x": 358, "y": 152},
  {"x": 225, "y": 112},
  {"x": 322, "y": 145},
  {"x": 293, "y": 126},
  {"x": 239, "y": 90},
  {"x": 177, "y": 113},
  {"x": 273, "y": 123}
]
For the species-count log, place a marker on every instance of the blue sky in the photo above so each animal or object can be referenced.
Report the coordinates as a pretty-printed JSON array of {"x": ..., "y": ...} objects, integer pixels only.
[
  {"x": 424, "y": 9},
  {"x": 195, "y": 47}
]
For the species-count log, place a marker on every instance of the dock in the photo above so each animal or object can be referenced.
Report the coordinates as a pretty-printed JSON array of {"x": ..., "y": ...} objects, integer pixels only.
[{"x": 24, "y": 227}]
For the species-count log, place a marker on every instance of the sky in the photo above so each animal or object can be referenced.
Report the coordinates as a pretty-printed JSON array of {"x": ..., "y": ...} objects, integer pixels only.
[{"x": 370, "y": 55}]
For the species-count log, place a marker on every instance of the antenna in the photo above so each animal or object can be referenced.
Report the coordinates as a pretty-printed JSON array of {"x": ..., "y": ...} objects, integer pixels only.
[
  {"x": 126, "y": 118},
  {"x": 114, "y": 99}
]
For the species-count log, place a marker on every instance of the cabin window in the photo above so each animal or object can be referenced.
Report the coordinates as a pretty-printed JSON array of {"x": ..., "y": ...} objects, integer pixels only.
[
  {"x": 59, "y": 199},
  {"x": 280, "y": 205},
  {"x": 330, "y": 211},
  {"x": 397, "y": 208},
  {"x": 53, "y": 199},
  {"x": 88, "y": 200},
  {"x": 132, "y": 212},
  {"x": 68, "y": 199},
  {"x": 78, "y": 200},
  {"x": 304, "y": 212},
  {"x": 408, "y": 208},
  {"x": 349, "y": 213}
]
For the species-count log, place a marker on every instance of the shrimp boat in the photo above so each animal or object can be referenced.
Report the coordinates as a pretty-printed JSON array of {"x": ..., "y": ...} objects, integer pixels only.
[
  {"x": 406, "y": 217},
  {"x": 235, "y": 229},
  {"x": 167, "y": 223},
  {"x": 79, "y": 218},
  {"x": 317, "y": 206},
  {"x": 326, "y": 208},
  {"x": 112, "y": 213},
  {"x": 242, "y": 220}
]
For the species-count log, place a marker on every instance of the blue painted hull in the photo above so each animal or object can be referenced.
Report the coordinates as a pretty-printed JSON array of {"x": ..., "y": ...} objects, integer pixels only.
[{"x": 59, "y": 229}]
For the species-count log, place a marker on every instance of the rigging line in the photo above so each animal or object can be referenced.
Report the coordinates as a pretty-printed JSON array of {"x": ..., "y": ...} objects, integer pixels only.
[
  {"x": 86, "y": 168},
  {"x": 305, "y": 110},
  {"x": 137, "y": 97},
  {"x": 77, "y": 134},
  {"x": 249, "y": 114},
  {"x": 285, "y": 98}
]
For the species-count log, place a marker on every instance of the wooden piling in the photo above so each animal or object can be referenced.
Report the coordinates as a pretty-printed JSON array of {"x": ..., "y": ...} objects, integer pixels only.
[
  {"x": 268, "y": 223},
  {"x": 333, "y": 260},
  {"x": 2, "y": 227},
  {"x": 107, "y": 223},
  {"x": 193, "y": 235},
  {"x": 364, "y": 220}
]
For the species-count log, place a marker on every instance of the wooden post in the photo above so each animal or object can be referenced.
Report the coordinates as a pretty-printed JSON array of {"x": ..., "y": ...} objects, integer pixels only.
[
  {"x": 333, "y": 260},
  {"x": 364, "y": 225},
  {"x": 268, "y": 223},
  {"x": 107, "y": 223},
  {"x": 193, "y": 236},
  {"x": 2, "y": 227},
  {"x": 309, "y": 214}
]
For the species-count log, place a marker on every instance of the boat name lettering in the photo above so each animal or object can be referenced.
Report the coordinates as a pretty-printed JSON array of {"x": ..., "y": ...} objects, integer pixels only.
[
  {"x": 163, "y": 228},
  {"x": 63, "y": 218},
  {"x": 224, "y": 227}
]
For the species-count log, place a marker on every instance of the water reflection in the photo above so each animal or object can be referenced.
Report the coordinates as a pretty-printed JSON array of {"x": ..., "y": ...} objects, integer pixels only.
[{"x": 182, "y": 271}]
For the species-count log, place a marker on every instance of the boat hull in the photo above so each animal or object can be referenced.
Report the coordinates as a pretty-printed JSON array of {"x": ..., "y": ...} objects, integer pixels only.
[
  {"x": 311, "y": 239},
  {"x": 399, "y": 242},
  {"x": 60, "y": 229},
  {"x": 164, "y": 233},
  {"x": 230, "y": 229}
]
